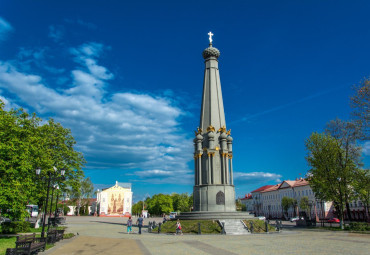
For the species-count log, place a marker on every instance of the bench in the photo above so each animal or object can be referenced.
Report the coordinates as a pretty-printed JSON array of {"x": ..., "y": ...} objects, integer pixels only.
[
  {"x": 57, "y": 221},
  {"x": 60, "y": 220},
  {"x": 55, "y": 235},
  {"x": 28, "y": 244}
]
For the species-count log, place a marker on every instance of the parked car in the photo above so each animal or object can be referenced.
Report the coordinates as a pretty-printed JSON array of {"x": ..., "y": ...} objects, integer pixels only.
[
  {"x": 293, "y": 219},
  {"x": 173, "y": 215},
  {"x": 333, "y": 220},
  {"x": 3, "y": 220},
  {"x": 261, "y": 217}
]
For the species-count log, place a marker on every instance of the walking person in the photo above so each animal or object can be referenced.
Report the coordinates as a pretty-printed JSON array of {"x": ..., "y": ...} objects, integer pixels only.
[
  {"x": 140, "y": 223},
  {"x": 178, "y": 228},
  {"x": 129, "y": 225}
]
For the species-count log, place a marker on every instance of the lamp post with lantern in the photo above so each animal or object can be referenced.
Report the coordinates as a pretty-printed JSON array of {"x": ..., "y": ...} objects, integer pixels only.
[{"x": 51, "y": 178}]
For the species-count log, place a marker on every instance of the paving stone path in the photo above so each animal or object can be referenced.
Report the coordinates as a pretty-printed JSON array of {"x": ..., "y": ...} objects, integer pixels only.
[{"x": 108, "y": 236}]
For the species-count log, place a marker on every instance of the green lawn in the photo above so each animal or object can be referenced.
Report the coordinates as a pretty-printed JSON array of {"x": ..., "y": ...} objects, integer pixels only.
[
  {"x": 191, "y": 226},
  {"x": 9, "y": 242},
  {"x": 6, "y": 242}
]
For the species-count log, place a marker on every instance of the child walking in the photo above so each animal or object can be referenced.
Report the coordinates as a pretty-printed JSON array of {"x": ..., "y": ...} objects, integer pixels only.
[
  {"x": 178, "y": 228},
  {"x": 129, "y": 225}
]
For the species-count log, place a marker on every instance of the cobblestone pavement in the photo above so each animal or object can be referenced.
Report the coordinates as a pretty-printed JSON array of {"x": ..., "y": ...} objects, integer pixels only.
[{"x": 108, "y": 236}]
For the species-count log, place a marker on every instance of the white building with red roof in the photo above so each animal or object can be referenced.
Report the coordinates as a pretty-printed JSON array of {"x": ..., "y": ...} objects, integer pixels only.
[
  {"x": 267, "y": 200},
  {"x": 248, "y": 202},
  {"x": 257, "y": 200}
]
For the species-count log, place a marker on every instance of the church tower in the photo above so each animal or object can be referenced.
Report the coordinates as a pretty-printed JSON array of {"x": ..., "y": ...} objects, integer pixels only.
[{"x": 213, "y": 188}]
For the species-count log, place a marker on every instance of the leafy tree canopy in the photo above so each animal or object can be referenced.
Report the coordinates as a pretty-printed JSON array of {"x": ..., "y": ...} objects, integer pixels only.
[
  {"x": 26, "y": 144},
  {"x": 303, "y": 203},
  {"x": 361, "y": 106},
  {"x": 333, "y": 169},
  {"x": 160, "y": 204},
  {"x": 286, "y": 203}
]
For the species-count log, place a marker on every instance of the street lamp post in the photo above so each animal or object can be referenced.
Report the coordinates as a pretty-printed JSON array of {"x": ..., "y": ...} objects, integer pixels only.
[
  {"x": 56, "y": 204},
  {"x": 51, "y": 205},
  {"x": 51, "y": 178}
]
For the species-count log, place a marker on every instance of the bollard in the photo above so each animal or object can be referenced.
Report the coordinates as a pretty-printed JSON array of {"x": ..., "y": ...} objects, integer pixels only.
[
  {"x": 150, "y": 227},
  {"x": 267, "y": 226},
  {"x": 223, "y": 232},
  {"x": 199, "y": 231},
  {"x": 252, "y": 227},
  {"x": 277, "y": 226},
  {"x": 281, "y": 225},
  {"x": 159, "y": 227}
]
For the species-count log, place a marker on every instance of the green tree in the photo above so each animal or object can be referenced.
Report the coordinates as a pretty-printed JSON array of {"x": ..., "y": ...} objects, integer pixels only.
[
  {"x": 26, "y": 144},
  {"x": 360, "y": 103},
  {"x": 81, "y": 192},
  {"x": 191, "y": 199},
  {"x": 286, "y": 203},
  {"x": 160, "y": 204},
  {"x": 137, "y": 208},
  {"x": 347, "y": 133},
  {"x": 181, "y": 202},
  {"x": 362, "y": 189},
  {"x": 332, "y": 172},
  {"x": 303, "y": 204}
]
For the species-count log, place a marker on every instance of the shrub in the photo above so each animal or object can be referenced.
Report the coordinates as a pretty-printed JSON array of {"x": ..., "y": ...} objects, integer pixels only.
[
  {"x": 66, "y": 209},
  {"x": 68, "y": 235},
  {"x": 359, "y": 226},
  {"x": 15, "y": 227}
]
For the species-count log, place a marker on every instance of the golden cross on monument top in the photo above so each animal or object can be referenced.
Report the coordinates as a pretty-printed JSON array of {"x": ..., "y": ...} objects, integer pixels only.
[{"x": 210, "y": 37}]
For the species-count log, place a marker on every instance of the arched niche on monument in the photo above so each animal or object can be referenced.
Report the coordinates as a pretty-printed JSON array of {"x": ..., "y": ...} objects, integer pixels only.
[{"x": 220, "y": 198}]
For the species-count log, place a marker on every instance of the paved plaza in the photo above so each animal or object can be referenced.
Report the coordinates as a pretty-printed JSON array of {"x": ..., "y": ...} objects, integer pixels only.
[{"x": 108, "y": 236}]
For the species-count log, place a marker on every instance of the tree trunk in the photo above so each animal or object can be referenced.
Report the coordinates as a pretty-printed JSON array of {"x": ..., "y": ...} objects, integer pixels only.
[{"x": 348, "y": 212}]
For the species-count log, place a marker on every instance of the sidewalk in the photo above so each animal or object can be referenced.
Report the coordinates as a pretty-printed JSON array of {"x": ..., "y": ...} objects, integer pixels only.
[{"x": 102, "y": 236}]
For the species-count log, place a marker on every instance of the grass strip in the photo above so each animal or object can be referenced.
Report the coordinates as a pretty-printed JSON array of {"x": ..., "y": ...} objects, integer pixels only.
[{"x": 191, "y": 227}]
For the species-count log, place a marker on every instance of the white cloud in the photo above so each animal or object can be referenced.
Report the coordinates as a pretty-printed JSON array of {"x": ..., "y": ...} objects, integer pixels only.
[
  {"x": 56, "y": 33},
  {"x": 256, "y": 177},
  {"x": 113, "y": 130},
  {"x": 366, "y": 148},
  {"x": 5, "y": 29},
  {"x": 29, "y": 58},
  {"x": 166, "y": 176}
]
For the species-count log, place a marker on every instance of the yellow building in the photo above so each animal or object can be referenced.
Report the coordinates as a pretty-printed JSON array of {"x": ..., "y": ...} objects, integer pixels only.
[{"x": 115, "y": 201}]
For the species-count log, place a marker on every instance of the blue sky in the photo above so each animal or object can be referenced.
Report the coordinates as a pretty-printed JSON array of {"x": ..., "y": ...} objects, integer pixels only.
[{"x": 126, "y": 77}]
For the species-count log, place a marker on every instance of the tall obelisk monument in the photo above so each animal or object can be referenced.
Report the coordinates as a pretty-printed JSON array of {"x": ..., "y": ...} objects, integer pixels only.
[{"x": 213, "y": 188}]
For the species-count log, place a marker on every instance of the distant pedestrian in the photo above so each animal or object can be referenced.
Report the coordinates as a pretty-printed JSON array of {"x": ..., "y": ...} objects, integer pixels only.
[
  {"x": 178, "y": 228},
  {"x": 129, "y": 225},
  {"x": 139, "y": 223}
]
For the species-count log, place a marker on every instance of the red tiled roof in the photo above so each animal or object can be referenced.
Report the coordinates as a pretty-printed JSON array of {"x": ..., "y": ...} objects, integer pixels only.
[
  {"x": 262, "y": 188},
  {"x": 247, "y": 196},
  {"x": 274, "y": 187},
  {"x": 301, "y": 182}
]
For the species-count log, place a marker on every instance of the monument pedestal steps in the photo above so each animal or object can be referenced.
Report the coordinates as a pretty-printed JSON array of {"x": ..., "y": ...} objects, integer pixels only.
[{"x": 235, "y": 227}]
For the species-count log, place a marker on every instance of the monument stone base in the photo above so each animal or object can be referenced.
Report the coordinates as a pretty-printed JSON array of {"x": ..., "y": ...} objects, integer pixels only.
[
  {"x": 215, "y": 215},
  {"x": 214, "y": 198}
]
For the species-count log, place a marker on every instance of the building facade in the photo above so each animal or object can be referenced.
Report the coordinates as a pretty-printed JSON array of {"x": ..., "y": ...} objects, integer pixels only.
[
  {"x": 114, "y": 201},
  {"x": 248, "y": 202},
  {"x": 267, "y": 201}
]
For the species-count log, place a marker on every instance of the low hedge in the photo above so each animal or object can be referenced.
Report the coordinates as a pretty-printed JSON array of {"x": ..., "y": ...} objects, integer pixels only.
[
  {"x": 359, "y": 226},
  {"x": 15, "y": 227}
]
